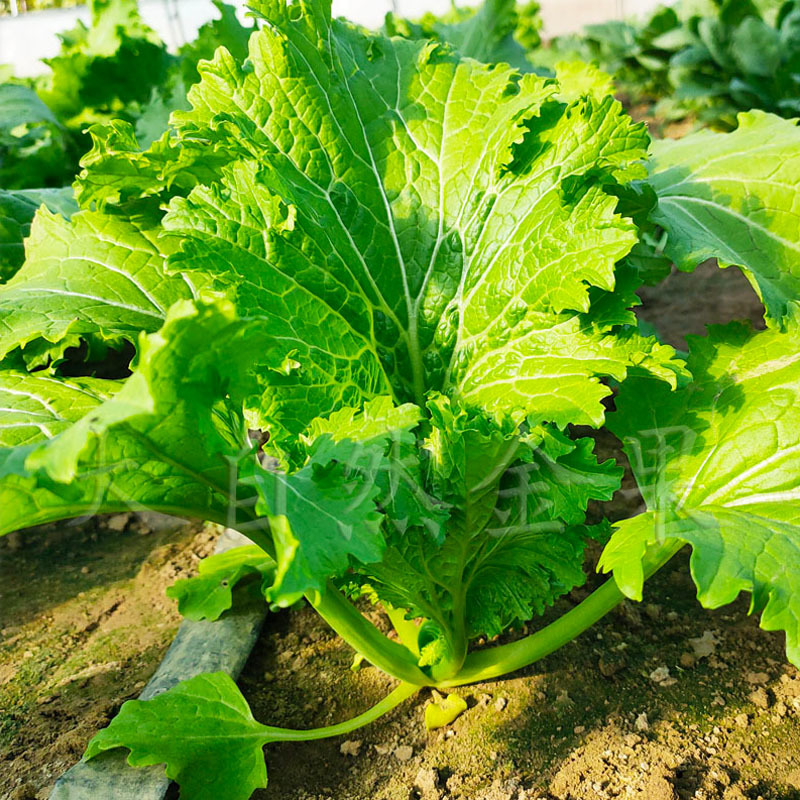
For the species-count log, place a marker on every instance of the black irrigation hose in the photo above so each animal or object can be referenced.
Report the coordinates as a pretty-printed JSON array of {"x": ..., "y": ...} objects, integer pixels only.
[{"x": 221, "y": 646}]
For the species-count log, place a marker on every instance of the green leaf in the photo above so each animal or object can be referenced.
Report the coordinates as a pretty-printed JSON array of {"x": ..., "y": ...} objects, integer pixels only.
[
  {"x": 396, "y": 471},
  {"x": 170, "y": 96},
  {"x": 210, "y": 593},
  {"x": 202, "y": 730},
  {"x": 34, "y": 410},
  {"x": 532, "y": 550},
  {"x": 756, "y": 47},
  {"x": 17, "y": 210},
  {"x": 441, "y": 220},
  {"x": 97, "y": 274},
  {"x": 718, "y": 464},
  {"x": 734, "y": 197},
  {"x": 20, "y": 106},
  {"x": 569, "y": 476},
  {"x": 376, "y": 420},
  {"x": 225, "y": 32},
  {"x": 153, "y": 120},
  {"x": 106, "y": 67},
  {"x": 172, "y": 439},
  {"x": 485, "y": 33},
  {"x": 577, "y": 79},
  {"x": 440, "y": 713},
  {"x": 32, "y": 142},
  {"x": 320, "y": 517},
  {"x": 117, "y": 170}
]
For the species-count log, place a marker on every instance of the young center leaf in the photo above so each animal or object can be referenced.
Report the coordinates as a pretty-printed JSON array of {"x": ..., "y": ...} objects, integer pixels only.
[
  {"x": 513, "y": 536},
  {"x": 719, "y": 467}
]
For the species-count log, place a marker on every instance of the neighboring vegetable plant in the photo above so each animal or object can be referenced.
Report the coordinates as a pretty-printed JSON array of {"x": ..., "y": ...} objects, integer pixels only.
[
  {"x": 636, "y": 54},
  {"x": 41, "y": 148},
  {"x": 711, "y": 59},
  {"x": 496, "y": 31},
  {"x": 33, "y": 143},
  {"x": 739, "y": 60},
  {"x": 117, "y": 68},
  {"x": 415, "y": 273}
]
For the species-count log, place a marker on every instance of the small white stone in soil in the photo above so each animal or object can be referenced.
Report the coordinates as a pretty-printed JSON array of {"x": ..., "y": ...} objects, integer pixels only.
[
  {"x": 642, "y": 723},
  {"x": 427, "y": 781},
  {"x": 404, "y": 752},
  {"x": 350, "y": 747},
  {"x": 660, "y": 674},
  {"x": 705, "y": 646}
]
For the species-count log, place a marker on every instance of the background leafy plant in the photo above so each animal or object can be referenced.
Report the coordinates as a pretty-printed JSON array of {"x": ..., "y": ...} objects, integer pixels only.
[
  {"x": 744, "y": 57},
  {"x": 115, "y": 69},
  {"x": 497, "y": 31},
  {"x": 709, "y": 59}
]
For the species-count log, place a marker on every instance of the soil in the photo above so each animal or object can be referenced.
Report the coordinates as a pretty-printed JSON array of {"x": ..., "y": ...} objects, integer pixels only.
[
  {"x": 659, "y": 701},
  {"x": 84, "y": 622}
]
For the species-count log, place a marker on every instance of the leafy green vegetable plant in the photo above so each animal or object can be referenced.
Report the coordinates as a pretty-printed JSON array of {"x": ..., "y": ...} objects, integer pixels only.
[
  {"x": 497, "y": 31},
  {"x": 30, "y": 134},
  {"x": 710, "y": 59},
  {"x": 740, "y": 58},
  {"x": 116, "y": 68},
  {"x": 636, "y": 54},
  {"x": 413, "y": 274}
]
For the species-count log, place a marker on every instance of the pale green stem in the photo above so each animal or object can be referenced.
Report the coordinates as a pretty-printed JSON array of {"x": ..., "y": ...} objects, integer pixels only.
[
  {"x": 407, "y": 630},
  {"x": 399, "y": 695},
  {"x": 498, "y": 661},
  {"x": 393, "y": 658}
]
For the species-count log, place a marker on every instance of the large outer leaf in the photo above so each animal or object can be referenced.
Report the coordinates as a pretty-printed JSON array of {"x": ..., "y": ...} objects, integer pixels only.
[
  {"x": 34, "y": 410},
  {"x": 719, "y": 467},
  {"x": 734, "y": 196},
  {"x": 172, "y": 439},
  {"x": 17, "y": 210},
  {"x": 204, "y": 733},
  {"x": 203, "y": 730},
  {"x": 438, "y": 222},
  {"x": 97, "y": 274}
]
